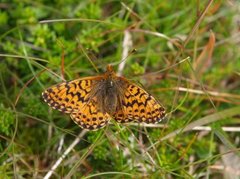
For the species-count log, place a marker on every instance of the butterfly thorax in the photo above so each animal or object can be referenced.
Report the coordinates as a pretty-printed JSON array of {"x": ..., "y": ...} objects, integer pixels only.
[{"x": 108, "y": 95}]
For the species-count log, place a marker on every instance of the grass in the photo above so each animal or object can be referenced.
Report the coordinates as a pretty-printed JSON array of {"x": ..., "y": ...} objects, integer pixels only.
[{"x": 187, "y": 56}]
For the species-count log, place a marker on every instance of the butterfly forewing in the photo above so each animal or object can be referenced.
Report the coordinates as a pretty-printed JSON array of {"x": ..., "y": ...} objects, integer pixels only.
[{"x": 70, "y": 96}]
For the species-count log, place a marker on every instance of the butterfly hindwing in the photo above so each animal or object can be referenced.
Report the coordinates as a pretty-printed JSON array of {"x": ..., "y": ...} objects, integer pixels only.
[{"x": 90, "y": 117}]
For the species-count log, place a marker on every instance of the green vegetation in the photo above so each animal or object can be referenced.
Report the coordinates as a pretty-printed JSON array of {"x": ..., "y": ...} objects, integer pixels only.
[{"x": 187, "y": 56}]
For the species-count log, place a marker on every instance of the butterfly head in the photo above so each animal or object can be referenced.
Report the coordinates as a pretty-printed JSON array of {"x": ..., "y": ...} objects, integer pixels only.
[
  {"x": 110, "y": 69},
  {"x": 110, "y": 73}
]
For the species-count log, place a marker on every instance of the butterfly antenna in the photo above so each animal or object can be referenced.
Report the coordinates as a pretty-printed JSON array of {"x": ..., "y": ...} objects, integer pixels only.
[
  {"x": 62, "y": 58},
  {"x": 25, "y": 86},
  {"x": 86, "y": 54},
  {"x": 129, "y": 54},
  {"x": 123, "y": 62}
]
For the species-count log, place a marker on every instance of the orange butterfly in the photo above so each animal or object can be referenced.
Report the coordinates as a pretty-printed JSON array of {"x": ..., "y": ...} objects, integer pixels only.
[{"x": 93, "y": 101}]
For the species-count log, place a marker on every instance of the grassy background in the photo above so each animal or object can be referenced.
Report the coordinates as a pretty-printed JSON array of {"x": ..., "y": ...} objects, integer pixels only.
[{"x": 203, "y": 89}]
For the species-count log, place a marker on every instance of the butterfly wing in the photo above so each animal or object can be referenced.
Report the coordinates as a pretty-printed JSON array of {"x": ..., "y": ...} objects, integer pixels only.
[
  {"x": 139, "y": 106},
  {"x": 78, "y": 98},
  {"x": 70, "y": 96},
  {"x": 90, "y": 117}
]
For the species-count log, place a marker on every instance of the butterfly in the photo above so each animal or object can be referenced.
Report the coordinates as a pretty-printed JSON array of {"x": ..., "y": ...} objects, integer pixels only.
[{"x": 93, "y": 101}]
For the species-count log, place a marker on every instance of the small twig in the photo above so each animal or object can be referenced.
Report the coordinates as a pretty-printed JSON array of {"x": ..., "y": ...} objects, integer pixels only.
[
  {"x": 197, "y": 24},
  {"x": 202, "y": 121},
  {"x": 127, "y": 44},
  {"x": 212, "y": 93},
  {"x": 158, "y": 34},
  {"x": 226, "y": 129},
  {"x": 61, "y": 142},
  {"x": 197, "y": 128},
  {"x": 78, "y": 20},
  {"x": 59, "y": 161}
]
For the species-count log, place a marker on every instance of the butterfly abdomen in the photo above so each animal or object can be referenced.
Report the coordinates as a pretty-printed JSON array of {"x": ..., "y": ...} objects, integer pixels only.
[{"x": 107, "y": 97}]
